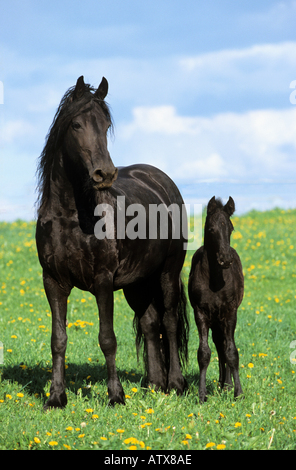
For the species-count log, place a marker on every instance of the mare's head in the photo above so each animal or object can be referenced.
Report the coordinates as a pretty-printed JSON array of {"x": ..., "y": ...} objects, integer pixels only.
[
  {"x": 85, "y": 140},
  {"x": 218, "y": 228},
  {"x": 79, "y": 133}
]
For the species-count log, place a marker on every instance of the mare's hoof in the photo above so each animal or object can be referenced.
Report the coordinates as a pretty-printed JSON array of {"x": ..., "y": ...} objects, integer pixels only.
[
  {"x": 116, "y": 397},
  {"x": 56, "y": 401},
  {"x": 116, "y": 400},
  {"x": 179, "y": 385}
]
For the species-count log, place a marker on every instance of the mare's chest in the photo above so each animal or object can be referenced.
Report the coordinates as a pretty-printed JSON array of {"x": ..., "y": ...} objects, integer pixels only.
[{"x": 67, "y": 254}]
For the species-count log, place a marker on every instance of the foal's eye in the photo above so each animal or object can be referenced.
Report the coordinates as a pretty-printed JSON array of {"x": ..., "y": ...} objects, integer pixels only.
[{"x": 76, "y": 125}]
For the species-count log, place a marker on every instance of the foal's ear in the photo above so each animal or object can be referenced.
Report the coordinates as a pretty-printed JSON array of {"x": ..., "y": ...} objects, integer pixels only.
[
  {"x": 102, "y": 90},
  {"x": 229, "y": 208},
  {"x": 211, "y": 205},
  {"x": 79, "y": 89}
]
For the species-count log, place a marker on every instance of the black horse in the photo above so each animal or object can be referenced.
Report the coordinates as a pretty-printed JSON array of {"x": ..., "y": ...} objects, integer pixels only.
[
  {"x": 216, "y": 289},
  {"x": 77, "y": 179}
]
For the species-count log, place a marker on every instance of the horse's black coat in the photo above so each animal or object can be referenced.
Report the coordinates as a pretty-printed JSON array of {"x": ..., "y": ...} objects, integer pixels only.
[
  {"x": 216, "y": 288},
  {"x": 76, "y": 174}
]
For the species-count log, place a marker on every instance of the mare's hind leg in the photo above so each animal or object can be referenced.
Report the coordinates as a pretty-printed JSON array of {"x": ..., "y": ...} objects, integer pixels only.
[
  {"x": 171, "y": 291},
  {"x": 57, "y": 298},
  {"x": 140, "y": 299},
  {"x": 107, "y": 339},
  {"x": 203, "y": 353}
]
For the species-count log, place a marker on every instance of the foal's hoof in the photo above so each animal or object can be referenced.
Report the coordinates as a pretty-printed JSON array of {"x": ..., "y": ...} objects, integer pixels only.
[{"x": 56, "y": 401}]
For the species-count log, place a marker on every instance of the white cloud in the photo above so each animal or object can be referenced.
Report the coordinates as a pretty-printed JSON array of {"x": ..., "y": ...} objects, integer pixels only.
[
  {"x": 252, "y": 146},
  {"x": 16, "y": 130}
]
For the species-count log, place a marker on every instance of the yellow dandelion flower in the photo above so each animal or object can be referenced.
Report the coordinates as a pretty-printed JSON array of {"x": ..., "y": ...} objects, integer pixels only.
[
  {"x": 67, "y": 447},
  {"x": 120, "y": 431},
  {"x": 237, "y": 425},
  {"x": 221, "y": 446},
  {"x": 150, "y": 411},
  {"x": 53, "y": 443},
  {"x": 210, "y": 444},
  {"x": 69, "y": 428},
  {"x": 37, "y": 440},
  {"x": 250, "y": 365},
  {"x": 131, "y": 440},
  {"x": 81, "y": 436},
  {"x": 134, "y": 389},
  {"x": 94, "y": 416},
  {"x": 89, "y": 410},
  {"x": 20, "y": 395}
]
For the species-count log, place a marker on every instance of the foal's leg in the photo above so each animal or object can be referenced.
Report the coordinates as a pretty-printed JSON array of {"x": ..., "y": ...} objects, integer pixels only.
[
  {"x": 107, "y": 339},
  {"x": 224, "y": 371},
  {"x": 204, "y": 352},
  {"x": 57, "y": 298},
  {"x": 231, "y": 354}
]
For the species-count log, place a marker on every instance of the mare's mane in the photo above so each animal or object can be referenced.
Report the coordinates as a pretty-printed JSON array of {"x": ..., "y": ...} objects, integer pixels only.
[{"x": 67, "y": 110}]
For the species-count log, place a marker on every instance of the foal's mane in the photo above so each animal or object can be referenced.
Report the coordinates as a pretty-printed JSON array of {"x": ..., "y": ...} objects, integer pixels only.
[{"x": 68, "y": 108}]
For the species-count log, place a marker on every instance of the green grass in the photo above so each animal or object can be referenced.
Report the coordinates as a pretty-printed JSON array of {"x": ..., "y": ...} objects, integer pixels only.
[{"x": 266, "y": 418}]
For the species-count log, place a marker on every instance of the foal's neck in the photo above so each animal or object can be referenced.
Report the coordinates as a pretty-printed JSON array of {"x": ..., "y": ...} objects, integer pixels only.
[{"x": 216, "y": 278}]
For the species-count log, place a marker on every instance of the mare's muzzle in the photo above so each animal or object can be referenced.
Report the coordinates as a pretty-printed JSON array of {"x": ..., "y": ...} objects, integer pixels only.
[{"x": 104, "y": 179}]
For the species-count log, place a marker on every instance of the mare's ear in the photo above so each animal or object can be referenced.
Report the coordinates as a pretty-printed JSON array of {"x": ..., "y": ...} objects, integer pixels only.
[
  {"x": 212, "y": 205},
  {"x": 102, "y": 90},
  {"x": 79, "y": 89},
  {"x": 229, "y": 208}
]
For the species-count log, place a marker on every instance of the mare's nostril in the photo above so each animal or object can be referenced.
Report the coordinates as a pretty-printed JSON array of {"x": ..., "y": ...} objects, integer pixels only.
[{"x": 98, "y": 176}]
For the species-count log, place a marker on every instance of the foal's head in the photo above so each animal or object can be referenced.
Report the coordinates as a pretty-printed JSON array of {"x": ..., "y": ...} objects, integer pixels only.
[{"x": 218, "y": 228}]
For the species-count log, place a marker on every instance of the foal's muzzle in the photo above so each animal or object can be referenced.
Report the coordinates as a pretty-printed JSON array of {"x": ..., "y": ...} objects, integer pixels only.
[
  {"x": 225, "y": 261},
  {"x": 104, "y": 179}
]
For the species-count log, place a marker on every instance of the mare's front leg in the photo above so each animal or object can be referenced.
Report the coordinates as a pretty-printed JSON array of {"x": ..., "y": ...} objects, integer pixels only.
[
  {"x": 107, "y": 339},
  {"x": 204, "y": 352},
  {"x": 57, "y": 298}
]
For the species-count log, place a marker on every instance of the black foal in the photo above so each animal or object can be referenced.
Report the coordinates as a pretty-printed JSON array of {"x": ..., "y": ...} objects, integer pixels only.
[{"x": 216, "y": 289}]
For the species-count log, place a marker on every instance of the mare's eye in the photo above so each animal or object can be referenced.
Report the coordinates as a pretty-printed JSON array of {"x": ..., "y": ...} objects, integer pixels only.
[{"x": 76, "y": 125}]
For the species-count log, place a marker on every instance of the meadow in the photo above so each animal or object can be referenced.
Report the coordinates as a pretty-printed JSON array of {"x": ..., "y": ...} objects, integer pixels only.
[{"x": 264, "y": 419}]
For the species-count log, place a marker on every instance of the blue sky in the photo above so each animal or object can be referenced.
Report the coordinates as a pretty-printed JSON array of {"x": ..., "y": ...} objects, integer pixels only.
[{"x": 197, "y": 88}]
